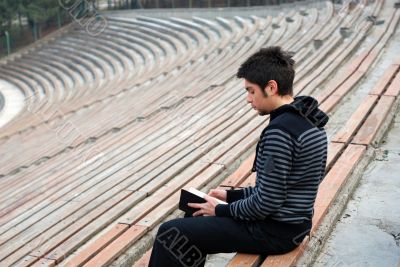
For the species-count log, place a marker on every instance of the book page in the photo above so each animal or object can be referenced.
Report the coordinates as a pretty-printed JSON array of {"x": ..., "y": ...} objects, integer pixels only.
[{"x": 201, "y": 194}]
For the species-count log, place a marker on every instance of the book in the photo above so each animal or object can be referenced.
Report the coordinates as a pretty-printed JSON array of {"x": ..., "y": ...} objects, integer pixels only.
[{"x": 192, "y": 195}]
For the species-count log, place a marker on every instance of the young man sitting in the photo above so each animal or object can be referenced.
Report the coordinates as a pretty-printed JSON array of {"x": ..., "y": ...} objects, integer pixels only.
[{"x": 275, "y": 215}]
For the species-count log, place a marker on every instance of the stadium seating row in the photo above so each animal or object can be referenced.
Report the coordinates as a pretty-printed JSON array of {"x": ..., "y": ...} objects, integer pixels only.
[
  {"x": 41, "y": 223},
  {"x": 167, "y": 114}
]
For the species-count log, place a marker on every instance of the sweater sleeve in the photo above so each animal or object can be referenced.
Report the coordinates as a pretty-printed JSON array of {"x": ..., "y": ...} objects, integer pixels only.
[
  {"x": 237, "y": 194},
  {"x": 234, "y": 195},
  {"x": 275, "y": 162}
]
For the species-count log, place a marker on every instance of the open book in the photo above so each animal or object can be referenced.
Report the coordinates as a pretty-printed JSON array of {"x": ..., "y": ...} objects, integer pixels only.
[{"x": 192, "y": 195}]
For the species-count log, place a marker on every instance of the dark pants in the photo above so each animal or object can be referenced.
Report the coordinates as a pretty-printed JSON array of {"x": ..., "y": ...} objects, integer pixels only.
[{"x": 187, "y": 241}]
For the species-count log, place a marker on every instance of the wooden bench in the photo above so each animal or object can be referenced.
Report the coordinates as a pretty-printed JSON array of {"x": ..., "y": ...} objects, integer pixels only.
[
  {"x": 172, "y": 202},
  {"x": 218, "y": 155},
  {"x": 253, "y": 141}
]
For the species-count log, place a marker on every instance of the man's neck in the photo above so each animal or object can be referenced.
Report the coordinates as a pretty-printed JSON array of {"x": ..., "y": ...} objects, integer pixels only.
[{"x": 283, "y": 100}]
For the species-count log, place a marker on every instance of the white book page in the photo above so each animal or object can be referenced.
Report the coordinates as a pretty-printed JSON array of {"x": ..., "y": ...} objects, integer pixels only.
[{"x": 201, "y": 194}]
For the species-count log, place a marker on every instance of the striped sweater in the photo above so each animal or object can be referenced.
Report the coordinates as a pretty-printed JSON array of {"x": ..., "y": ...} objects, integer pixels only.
[{"x": 289, "y": 164}]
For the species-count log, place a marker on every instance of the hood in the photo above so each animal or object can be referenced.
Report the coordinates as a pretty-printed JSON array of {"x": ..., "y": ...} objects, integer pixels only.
[{"x": 308, "y": 107}]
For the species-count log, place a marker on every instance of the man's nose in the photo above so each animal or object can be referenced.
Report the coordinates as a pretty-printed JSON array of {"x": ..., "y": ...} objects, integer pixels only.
[{"x": 248, "y": 99}]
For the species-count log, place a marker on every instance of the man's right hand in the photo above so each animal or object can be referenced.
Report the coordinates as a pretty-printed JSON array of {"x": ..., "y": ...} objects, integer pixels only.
[{"x": 218, "y": 193}]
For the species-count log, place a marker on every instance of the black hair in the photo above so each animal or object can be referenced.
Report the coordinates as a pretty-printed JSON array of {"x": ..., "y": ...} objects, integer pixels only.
[{"x": 271, "y": 63}]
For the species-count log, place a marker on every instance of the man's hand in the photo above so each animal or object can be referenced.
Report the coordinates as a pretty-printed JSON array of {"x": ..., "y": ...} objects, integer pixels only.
[
  {"x": 218, "y": 193},
  {"x": 206, "y": 209}
]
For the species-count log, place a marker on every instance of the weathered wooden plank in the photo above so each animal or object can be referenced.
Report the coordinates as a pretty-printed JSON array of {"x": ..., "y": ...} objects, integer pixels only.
[
  {"x": 335, "y": 179},
  {"x": 373, "y": 123},
  {"x": 144, "y": 260},
  {"x": 118, "y": 246},
  {"x": 249, "y": 181},
  {"x": 240, "y": 174},
  {"x": 244, "y": 259},
  {"x": 287, "y": 259},
  {"x": 394, "y": 87},
  {"x": 334, "y": 151},
  {"x": 384, "y": 80},
  {"x": 90, "y": 251},
  {"x": 355, "y": 120},
  {"x": 343, "y": 89}
]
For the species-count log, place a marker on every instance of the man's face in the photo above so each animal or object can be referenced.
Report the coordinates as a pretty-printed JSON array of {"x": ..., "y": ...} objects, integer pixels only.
[{"x": 258, "y": 101}]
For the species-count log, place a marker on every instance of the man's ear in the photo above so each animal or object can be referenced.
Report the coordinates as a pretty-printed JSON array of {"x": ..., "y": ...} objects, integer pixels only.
[{"x": 272, "y": 88}]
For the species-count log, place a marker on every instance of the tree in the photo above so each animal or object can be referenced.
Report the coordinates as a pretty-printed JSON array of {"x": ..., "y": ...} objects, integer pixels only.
[
  {"x": 38, "y": 12},
  {"x": 7, "y": 12}
]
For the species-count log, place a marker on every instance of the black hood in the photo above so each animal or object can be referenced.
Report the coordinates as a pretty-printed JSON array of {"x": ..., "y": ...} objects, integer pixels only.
[{"x": 308, "y": 107}]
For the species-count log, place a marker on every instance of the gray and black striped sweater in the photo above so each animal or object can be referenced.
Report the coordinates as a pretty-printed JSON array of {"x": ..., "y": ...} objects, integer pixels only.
[{"x": 290, "y": 164}]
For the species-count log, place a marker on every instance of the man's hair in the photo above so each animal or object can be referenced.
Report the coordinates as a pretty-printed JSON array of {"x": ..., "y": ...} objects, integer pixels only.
[{"x": 269, "y": 63}]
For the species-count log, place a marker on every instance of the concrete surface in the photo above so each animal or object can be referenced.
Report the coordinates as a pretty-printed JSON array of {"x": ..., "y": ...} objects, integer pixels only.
[
  {"x": 13, "y": 102},
  {"x": 368, "y": 233},
  {"x": 1, "y": 101}
]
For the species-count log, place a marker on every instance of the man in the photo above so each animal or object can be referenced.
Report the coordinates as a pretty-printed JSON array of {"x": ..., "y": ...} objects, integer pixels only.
[{"x": 275, "y": 215}]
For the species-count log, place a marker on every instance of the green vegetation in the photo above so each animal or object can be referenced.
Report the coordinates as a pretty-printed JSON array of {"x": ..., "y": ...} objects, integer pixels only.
[{"x": 35, "y": 12}]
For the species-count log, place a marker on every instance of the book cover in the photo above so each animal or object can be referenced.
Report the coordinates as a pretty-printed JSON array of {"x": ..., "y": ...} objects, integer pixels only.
[{"x": 192, "y": 195}]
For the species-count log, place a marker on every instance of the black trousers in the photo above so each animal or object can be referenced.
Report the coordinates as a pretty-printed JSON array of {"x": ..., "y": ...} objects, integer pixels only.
[{"x": 187, "y": 241}]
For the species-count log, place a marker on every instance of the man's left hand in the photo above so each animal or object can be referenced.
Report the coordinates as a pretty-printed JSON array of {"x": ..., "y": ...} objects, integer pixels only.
[{"x": 207, "y": 208}]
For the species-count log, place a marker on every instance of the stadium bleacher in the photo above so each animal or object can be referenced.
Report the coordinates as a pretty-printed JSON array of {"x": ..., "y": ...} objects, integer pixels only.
[{"x": 115, "y": 125}]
